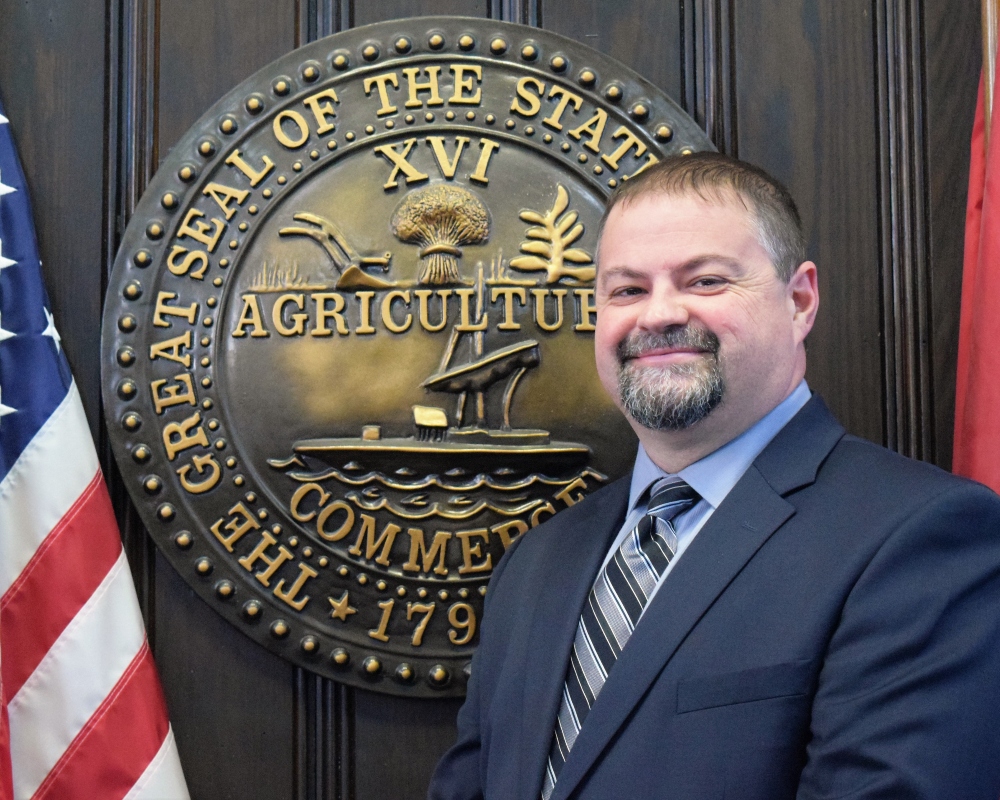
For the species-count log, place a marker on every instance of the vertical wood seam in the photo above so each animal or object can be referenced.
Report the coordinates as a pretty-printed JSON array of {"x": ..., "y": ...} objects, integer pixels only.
[
  {"x": 110, "y": 193},
  {"x": 132, "y": 70},
  {"x": 883, "y": 184},
  {"x": 300, "y": 733},
  {"x": 682, "y": 53},
  {"x": 709, "y": 43},
  {"x": 922, "y": 241},
  {"x": 708, "y": 69},
  {"x": 700, "y": 83},
  {"x": 903, "y": 219},
  {"x": 343, "y": 706},
  {"x": 686, "y": 12},
  {"x": 318, "y": 18},
  {"x": 321, "y": 743},
  {"x": 340, "y": 15},
  {"x": 317, "y": 731},
  {"x": 326, "y": 756},
  {"x": 523, "y": 12},
  {"x": 719, "y": 97},
  {"x": 531, "y": 13},
  {"x": 303, "y": 18},
  {"x": 727, "y": 74},
  {"x": 337, "y": 735},
  {"x": 335, "y": 714},
  {"x": 110, "y": 190},
  {"x": 694, "y": 82}
]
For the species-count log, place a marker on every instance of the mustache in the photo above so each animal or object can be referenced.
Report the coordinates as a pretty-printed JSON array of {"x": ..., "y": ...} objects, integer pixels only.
[{"x": 637, "y": 344}]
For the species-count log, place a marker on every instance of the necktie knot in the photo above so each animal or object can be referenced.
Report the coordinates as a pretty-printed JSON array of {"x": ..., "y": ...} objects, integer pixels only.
[{"x": 671, "y": 497}]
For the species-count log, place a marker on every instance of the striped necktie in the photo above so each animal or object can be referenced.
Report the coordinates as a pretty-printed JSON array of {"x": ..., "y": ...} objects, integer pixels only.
[{"x": 613, "y": 608}]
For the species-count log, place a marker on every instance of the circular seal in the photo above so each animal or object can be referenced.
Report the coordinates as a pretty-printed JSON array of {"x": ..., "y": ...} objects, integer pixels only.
[{"x": 348, "y": 337}]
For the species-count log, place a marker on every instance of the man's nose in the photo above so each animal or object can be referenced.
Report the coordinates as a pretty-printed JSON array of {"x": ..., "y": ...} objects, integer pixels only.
[{"x": 664, "y": 307}]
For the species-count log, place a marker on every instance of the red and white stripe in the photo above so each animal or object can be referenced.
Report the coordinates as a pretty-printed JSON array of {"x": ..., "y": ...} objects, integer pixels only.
[{"x": 83, "y": 710}]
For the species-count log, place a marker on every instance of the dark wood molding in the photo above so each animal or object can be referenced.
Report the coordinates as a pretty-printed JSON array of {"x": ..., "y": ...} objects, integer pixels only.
[
  {"x": 863, "y": 107},
  {"x": 707, "y": 53},
  {"x": 903, "y": 221},
  {"x": 323, "y": 710},
  {"x": 323, "y": 738},
  {"x": 319, "y": 18},
  {"x": 130, "y": 159},
  {"x": 525, "y": 12},
  {"x": 340, "y": 701}
]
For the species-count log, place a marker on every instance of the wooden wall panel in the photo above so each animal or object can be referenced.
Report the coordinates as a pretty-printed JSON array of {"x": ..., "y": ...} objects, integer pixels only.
[
  {"x": 204, "y": 50},
  {"x": 397, "y": 744},
  {"x": 207, "y": 48},
  {"x": 230, "y": 701},
  {"x": 52, "y": 82},
  {"x": 645, "y": 35},
  {"x": 863, "y": 107},
  {"x": 805, "y": 89},
  {"x": 367, "y": 11},
  {"x": 903, "y": 227}
]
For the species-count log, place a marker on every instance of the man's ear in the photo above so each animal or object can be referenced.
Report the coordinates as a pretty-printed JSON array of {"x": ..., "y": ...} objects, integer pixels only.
[{"x": 803, "y": 292}]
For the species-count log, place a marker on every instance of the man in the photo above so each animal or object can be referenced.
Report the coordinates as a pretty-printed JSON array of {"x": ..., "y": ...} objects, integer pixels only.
[{"x": 800, "y": 614}]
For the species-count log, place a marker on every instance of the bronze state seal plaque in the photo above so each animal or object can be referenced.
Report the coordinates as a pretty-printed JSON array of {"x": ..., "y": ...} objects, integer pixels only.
[{"x": 348, "y": 339}]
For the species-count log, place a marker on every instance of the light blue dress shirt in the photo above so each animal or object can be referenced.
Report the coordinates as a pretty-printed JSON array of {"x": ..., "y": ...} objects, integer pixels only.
[{"x": 712, "y": 477}]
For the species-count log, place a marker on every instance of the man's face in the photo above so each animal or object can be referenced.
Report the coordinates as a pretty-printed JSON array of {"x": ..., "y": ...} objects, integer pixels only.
[{"x": 694, "y": 327}]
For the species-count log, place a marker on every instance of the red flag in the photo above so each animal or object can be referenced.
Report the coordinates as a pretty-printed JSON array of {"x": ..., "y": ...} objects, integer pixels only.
[{"x": 977, "y": 392}]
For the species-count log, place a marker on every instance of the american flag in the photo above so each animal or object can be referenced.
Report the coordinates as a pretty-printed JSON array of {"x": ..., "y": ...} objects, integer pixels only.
[{"x": 82, "y": 714}]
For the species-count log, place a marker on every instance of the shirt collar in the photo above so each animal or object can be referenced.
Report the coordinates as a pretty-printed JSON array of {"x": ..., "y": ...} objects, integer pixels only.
[{"x": 717, "y": 473}]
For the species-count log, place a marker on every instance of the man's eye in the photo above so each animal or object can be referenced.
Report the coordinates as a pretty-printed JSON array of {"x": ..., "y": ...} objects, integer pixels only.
[
  {"x": 626, "y": 291},
  {"x": 709, "y": 282}
]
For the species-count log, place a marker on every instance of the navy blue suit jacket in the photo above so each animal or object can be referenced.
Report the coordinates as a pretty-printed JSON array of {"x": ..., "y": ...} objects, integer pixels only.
[{"x": 832, "y": 632}]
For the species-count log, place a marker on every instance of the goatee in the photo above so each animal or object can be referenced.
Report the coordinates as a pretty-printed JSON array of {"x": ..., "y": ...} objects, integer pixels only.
[{"x": 676, "y": 396}]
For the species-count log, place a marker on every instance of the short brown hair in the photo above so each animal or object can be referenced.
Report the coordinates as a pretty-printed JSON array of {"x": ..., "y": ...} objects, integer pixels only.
[{"x": 713, "y": 176}]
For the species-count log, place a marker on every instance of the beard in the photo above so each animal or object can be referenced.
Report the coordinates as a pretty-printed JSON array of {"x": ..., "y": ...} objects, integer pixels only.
[{"x": 676, "y": 396}]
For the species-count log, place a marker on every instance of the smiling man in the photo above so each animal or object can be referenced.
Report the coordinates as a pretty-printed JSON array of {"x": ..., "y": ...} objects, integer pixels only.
[{"x": 767, "y": 607}]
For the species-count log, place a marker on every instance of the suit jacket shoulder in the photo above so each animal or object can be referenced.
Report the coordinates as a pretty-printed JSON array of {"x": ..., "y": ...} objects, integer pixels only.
[{"x": 830, "y": 632}]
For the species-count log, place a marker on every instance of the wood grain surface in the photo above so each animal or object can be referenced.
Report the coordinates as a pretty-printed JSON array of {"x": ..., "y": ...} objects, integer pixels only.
[{"x": 863, "y": 107}]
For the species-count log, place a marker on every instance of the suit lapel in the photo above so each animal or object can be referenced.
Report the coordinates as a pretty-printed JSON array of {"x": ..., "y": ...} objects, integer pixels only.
[
  {"x": 578, "y": 547},
  {"x": 747, "y": 518},
  {"x": 721, "y": 549}
]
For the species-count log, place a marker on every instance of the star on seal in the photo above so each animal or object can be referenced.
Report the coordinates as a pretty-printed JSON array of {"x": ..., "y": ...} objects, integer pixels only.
[{"x": 341, "y": 609}]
